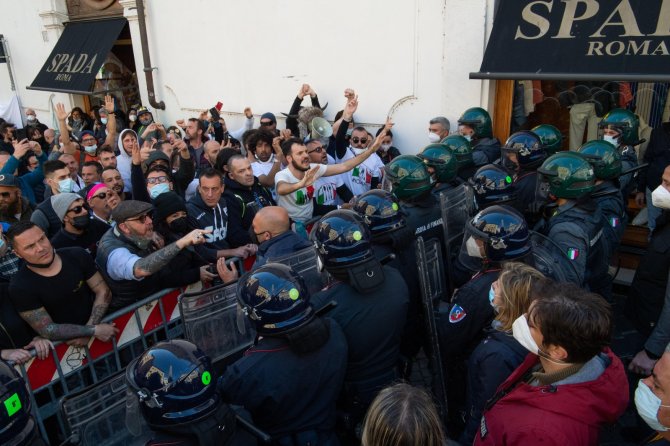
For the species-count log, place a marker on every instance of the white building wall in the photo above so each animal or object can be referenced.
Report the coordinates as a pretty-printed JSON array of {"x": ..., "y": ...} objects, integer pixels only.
[{"x": 409, "y": 59}]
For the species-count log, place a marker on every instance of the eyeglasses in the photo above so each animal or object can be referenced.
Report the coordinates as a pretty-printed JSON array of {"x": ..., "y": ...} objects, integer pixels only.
[
  {"x": 356, "y": 140},
  {"x": 101, "y": 195},
  {"x": 266, "y": 123},
  {"x": 317, "y": 149},
  {"x": 157, "y": 180},
  {"x": 142, "y": 218},
  {"x": 77, "y": 209},
  {"x": 87, "y": 140},
  {"x": 5, "y": 194}
]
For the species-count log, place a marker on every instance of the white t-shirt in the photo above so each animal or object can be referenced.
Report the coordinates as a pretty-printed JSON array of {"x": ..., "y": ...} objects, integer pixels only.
[
  {"x": 359, "y": 179},
  {"x": 298, "y": 203},
  {"x": 260, "y": 168}
]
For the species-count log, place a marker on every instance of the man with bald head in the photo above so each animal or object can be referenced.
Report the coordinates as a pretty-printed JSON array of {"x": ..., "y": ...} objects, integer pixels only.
[
  {"x": 271, "y": 231},
  {"x": 211, "y": 150}
]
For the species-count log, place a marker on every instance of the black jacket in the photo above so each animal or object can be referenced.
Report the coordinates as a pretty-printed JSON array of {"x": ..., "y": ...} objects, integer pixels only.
[
  {"x": 658, "y": 157},
  {"x": 242, "y": 203}
]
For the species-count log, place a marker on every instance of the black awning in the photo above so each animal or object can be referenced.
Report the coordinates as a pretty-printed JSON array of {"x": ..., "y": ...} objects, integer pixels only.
[
  {"x": 77, "y": 56},
  {"x": 622, "y": 40}
]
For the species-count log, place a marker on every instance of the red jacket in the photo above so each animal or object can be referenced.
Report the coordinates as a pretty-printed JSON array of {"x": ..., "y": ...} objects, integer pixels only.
[{"x": 568, "y": 414}]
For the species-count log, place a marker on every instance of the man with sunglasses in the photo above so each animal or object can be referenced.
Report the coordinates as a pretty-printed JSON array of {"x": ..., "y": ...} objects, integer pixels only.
[
  {"x": 269, "y": 123},
  {"x": 367, "y": 175},
  {"x": 13, "y": 207},
  {"x": 131, "y": 261},
  {"x": 331, "y": 191},
  {"x": 98, "y": 198},
  {"x": 79, "y": 229}
]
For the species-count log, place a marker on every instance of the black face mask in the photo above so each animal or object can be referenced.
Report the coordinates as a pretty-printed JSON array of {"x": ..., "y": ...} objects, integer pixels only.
[
  {"x": 81, "y": 221},
  {"x": 253, "y": 236},
  {"x": 509, "y": 164},
  {"x": 180, "y": 225}
]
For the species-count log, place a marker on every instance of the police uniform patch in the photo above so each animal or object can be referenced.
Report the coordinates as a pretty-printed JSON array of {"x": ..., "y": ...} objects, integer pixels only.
[
  {"x": 457, "y": 314},
  {"x": 614, "y": 222},
  {"x": 573, "y": 253}
]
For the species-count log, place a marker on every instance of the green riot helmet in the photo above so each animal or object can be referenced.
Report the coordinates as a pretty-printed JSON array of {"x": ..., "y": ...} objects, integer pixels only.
[
  {"x": 604, "y": 158},
  {"x": 623, "y": 121},
  {"x": 441, "y": 160},
  {"x": 479, "y": 120},
  {"x": 551, "y": 138},
  {"x": 461, "y": 147},
  {"x": 409, "y": 176},
  {"x": 569, "y": 175}
]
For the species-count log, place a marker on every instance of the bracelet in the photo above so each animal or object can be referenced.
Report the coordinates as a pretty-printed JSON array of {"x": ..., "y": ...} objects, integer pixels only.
[{"x": 111, "y": 113}]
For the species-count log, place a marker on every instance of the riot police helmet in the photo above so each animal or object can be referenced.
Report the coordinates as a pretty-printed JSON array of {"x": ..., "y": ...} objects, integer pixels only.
[
  {"x": 550, "y": 136},
  {"x": 604, "y": 158},
  {"x": 479, "y": 121},
  {"x": 441, "y": 161},
  {"x": 380, "y": 210},
  {"x": 523, "y": 151},
  {"x": 568, "y": 174},
  {"x": 409, "y": 177},
  {"x": 461, "y": 148},
  {"x": 492, "y": 185},
  {"x": 625, "y": 123},
  {"x": 15, "y": 419}
]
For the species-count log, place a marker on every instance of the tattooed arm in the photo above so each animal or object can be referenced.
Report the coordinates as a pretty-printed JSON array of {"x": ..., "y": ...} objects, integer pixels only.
[
  {"x": 102, "y": 298},
  {"x": 152, "y": 263},
  {"x": 41, "y": 322}
]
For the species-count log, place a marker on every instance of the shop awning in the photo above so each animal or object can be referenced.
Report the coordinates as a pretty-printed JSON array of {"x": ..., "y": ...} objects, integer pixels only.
[
  {"x": 622, "y": 40},
  {"x": 77, "y": 56}
]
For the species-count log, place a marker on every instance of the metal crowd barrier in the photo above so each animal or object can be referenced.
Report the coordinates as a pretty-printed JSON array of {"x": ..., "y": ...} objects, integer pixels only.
[
  {"x": 305, "y": 262},
  {"x": 69, "y": 369}
]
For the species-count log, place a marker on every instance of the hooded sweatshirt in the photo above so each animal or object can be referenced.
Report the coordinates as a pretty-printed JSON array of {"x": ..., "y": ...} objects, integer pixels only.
[
  {"x": 215, "y": 218},
  {"x": 124, "y": 161},
  {"x": 569, "y": 412}
]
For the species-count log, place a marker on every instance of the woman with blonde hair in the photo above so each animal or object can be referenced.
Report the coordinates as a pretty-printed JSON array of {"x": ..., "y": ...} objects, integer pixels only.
[
  {"x": 499, "y": 354},
  {"x": 402, "y": 415}
]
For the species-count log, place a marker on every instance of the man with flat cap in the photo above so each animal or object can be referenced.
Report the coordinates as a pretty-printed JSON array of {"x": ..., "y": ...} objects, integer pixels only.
[{"x": 133, "y": 260}]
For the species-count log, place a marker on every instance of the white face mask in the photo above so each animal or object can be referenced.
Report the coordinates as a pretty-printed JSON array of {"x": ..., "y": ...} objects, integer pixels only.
[
  {"x": 31, "y": 118},
  {"x": 468, "y": 137},
  {"x": 611, "y": 139},
  {"x": 433, "y": 137},
  {"x": 103, "y": 120},
  {"x": 521, "y": 332},
  {"x": 660, "y": 197},
  {"x": 357, "y": 151},
  {"x": 132, "y": 118},
  {"x": 386, "y": 147},
  {"x": 91, "y": 149},
  {"x": 648, "y": 405},
  {"x": 473, "y": 248}
]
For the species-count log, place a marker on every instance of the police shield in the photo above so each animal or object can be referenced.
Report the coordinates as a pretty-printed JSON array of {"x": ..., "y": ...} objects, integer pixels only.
[
  {"x": 212, "y": 322},
  {"x": 457, "y": 207},
  {"x": 306, "y": 263},
  {"x": 549, "y": 259},
  {"x": 432, "y": 282}
]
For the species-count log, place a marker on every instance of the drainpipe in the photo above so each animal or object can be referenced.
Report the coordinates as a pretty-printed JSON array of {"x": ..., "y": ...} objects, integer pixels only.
[{"x": 148, "y": 69}]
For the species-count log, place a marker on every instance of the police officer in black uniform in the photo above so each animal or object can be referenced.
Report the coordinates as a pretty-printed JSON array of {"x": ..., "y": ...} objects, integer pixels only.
[
  {"x": 291, "y": 378},
  {"x": 495, "y": 235},
  {"x": 574, "y": 222},
  {"x": 394, "y": 245},
  {"x": 476, "y": 126},
  {"x": 17, "y": 426},
  {"x": 371, "y": 306},
  {"x": 173, "y": 387},
  {"x": 442, "y": 166},
  {"x": 492, "y": 185},
  {"x": 411, "y": 183},
  {"x": 522, "y": 154},
  {"x": 620, "y": 127}
]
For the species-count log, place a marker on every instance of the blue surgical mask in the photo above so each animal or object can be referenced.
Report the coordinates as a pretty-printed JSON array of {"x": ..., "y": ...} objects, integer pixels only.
[
  {"x": 3, "y": 247},
  {"x": 65, "y": 186},
  {"x": 648, "y": 405},
  {"x": 468, "y": 137},
  {"x": 611, "y": 139},
  {"x": 492, "y": 296},
  {"x": 91, "y": 149},
  {"x": 159, "y": 189},
  {"x": 103, "y": 120}
]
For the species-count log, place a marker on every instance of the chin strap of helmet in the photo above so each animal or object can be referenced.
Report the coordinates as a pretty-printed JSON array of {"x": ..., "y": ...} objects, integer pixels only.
[
  {"x": 216, "y": 428},
  {"x": 309, "y": 337},
  {"x": 367, "y": 276}
]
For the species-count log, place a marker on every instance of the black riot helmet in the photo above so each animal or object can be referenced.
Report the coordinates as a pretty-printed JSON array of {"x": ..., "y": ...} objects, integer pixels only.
[
  {"x": 529, "y": 150},
  {"x": 16, "y": 425},
  {"x": 496, "y": 234},
  {"x": 174, "y": 383},
  {"x": 492, "y": 185},
  {"x": 380, "y": 210},
  {"x": 275, "y": 298},
  {"x": 342, "y": 239}
]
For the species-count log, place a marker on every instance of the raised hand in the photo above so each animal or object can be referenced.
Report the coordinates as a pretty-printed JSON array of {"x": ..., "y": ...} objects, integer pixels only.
[
  {"x": 248, "y": 113},
  {"x": 61, "y": 113},
  {"x": 109, "y": 103}
]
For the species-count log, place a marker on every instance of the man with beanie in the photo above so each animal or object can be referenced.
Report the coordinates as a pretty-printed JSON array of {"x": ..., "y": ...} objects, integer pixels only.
[
  {"x": 13, "y": 207},
  {"x": 131, "y": 261},
  {"x": 180, "y": 178},
  {"x": 79, "y": 229},
  {"x": 269, "y": 123}
]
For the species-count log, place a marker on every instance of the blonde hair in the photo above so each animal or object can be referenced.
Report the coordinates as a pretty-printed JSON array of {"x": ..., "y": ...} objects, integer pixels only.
[
  {"x": 514, "y": 284},
  {"x": 402, "y": 415}
]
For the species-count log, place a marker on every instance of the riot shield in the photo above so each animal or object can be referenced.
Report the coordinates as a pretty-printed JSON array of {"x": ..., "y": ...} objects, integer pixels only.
[
  {"x": 96, "y": 416},
  {"x": 457, "y": 206},
  {"x": 432, "y": 282},
  {"x": 549, "y": 259},
  {"x": 306, "y": 263},
  {"x": 213, "y": 323}
]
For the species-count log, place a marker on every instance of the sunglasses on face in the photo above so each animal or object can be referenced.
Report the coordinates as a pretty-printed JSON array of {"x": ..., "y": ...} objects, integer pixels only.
[
  {"x": 5, "y": 194},
  {"x": 356, "y": 140},
  {"x": 142, "y": 218},
  {"x": 77, "y": 209},
  {"x": 101, "y": 195},
  {"x": 266, "y": 123},
  {"x": 157, "y": 180},
  {"x": 317, "y": 149}
]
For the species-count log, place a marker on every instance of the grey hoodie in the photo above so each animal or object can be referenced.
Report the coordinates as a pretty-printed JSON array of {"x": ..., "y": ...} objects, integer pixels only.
[{"x": 124, "y": 161}]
